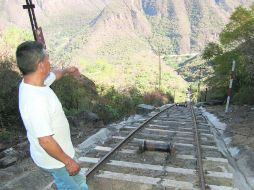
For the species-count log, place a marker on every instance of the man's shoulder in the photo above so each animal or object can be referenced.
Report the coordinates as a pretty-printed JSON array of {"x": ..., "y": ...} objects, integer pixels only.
[{"x": 31, "y": 94}]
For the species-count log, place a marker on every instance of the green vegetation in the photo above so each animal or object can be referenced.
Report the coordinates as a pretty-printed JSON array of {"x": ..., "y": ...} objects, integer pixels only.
[
  {"x": 5, "y": 136},
  {"x": 8, "y": 95},
  {"x": 76, "y": 95},
  {"x": 164, "y": 30},
  {"x": 101, "y": 66},
  {"x": 114, "y": 105},
  {"x": 128, "y": 62},
  {"x": 119, "y": 49},
  {"x": 11, "y": 37},
  {"x": 65, "y": 39},
  {"x": 107, "y": 102},
  {"x": 140, "y": 72},
  {"x": 10, "y": 121},
  {"x": 236, "y": 43}
]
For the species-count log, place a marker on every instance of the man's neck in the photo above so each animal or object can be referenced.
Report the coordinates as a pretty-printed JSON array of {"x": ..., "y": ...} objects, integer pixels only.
[{"x": 34, "y": 80}]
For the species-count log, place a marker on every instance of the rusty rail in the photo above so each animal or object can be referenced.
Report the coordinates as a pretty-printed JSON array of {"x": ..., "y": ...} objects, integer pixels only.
[
  {"x": 92, "y": 171},
  {"x": 198, "y": 151}
]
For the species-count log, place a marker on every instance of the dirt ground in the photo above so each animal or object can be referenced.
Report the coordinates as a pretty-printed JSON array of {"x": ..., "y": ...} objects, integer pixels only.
[{"x": 239, "y": 120}]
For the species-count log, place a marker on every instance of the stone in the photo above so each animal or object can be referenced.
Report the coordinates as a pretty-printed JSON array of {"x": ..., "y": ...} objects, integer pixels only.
[
  {"x": 10, "y": 152},
  {"x": 214, "y": 102},
  {"x": 84, "y": 118},
  {"x": 209, "y": 103},
  {"x": 200, "y": 104},
  {"x": 11, "y": 155},
  {"x": 144, "y": 109},
  {"x": 36, "y": 179},
  {"x": 8, "y": 161},
  {"x": 2, "y": 147},
  {"x": 90, "y": 116}
]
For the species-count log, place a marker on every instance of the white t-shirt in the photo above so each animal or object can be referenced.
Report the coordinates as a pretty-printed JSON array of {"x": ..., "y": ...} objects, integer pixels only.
[{"x": 43, "y": 115}]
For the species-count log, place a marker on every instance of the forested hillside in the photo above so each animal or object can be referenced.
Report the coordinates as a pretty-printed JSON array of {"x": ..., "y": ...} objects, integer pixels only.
[{"x": 112, "y": 40}]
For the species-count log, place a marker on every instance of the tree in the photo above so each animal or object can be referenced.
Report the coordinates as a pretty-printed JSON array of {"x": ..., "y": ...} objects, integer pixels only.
[
  {"x": 211, "y": 51},
  {"x": 236, "y": 43},
  {"x": 240, "y": 28}
]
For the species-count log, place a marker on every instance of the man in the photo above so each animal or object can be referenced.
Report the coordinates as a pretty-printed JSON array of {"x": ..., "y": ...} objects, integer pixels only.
[{"x": 44, "y": 119}]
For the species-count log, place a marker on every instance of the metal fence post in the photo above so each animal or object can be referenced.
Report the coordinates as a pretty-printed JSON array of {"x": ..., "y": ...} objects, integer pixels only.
[{"x": 230, "y": 85}]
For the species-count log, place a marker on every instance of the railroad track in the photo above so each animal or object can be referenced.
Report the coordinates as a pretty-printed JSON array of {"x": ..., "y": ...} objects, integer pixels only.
[{"x": 119, "y": 164}]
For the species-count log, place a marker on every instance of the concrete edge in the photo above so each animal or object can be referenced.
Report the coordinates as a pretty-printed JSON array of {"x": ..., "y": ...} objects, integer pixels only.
[{"x": 242, "y": 177}]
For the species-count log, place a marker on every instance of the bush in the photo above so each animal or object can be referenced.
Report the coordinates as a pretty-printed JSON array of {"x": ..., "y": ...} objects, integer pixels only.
[
  {"x": 9, "y": 82},
  {"x": 157, "y": 98},
  {"x": 108, "y": 103},
  {"x": 75, "y": 94},
  {"x": 245, "y": 96},
  {"x": 113, "y": 104},
  {"x": 214, "y": 94},
  {"x": 106, "y": 112},
  {"x": 5, "y": 136}
]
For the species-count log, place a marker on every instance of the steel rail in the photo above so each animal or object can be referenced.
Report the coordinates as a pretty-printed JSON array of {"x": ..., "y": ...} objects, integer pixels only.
[
  {"x": 92, "y": 171},
  {"x": 198, "y": 151}
]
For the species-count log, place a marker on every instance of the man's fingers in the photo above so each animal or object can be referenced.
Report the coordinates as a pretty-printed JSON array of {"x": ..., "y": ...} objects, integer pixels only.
[
  {"x": 73, "y": 168},
  {"x": 74, "y": 71},
  {"x": 74, "y": 172}
]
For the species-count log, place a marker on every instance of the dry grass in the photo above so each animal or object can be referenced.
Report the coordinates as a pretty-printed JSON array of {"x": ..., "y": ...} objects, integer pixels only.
[{"x": 157, "y": 98}]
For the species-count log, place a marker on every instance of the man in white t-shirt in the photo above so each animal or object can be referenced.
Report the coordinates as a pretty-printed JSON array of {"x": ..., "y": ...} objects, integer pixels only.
[{"x": 47, "y": 127}]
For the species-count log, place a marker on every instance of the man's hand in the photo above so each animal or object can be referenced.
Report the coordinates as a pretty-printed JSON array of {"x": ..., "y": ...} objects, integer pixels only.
[
  {"x": 72, "y": 71},
  {"x": 49, "y": 144},
  {"x": 72, "y": 167}
]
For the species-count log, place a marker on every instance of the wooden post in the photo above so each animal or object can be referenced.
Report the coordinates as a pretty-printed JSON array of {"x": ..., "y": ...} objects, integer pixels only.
[
  {"x": 230, "y": 85},
  {"x": 30, "y": 7},
  {"x": 37, "y": 31},
  {"x": 205, "y": 94}
]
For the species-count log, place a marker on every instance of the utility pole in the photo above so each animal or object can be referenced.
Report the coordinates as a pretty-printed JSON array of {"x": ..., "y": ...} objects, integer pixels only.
[
  {"x": 158, "y": 48},
  {"x": 199, "y": 82},
  {"x": 199, "y": 79},
  {"x": 159, "y": 54},
  {"x": 230, "y": 85},
  {"x": 37, "y": 31}
]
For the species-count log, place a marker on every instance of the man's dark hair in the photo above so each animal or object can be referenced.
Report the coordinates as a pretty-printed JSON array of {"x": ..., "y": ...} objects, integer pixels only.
[{"x": 28, "y": 55}]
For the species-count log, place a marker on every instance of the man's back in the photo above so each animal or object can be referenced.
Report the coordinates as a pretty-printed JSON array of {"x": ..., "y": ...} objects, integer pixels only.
[{"x": 43, "y": 115}]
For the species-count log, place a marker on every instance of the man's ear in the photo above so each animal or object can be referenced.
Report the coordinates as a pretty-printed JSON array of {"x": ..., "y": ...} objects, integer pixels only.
[{"x": 40, "y": 67}]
